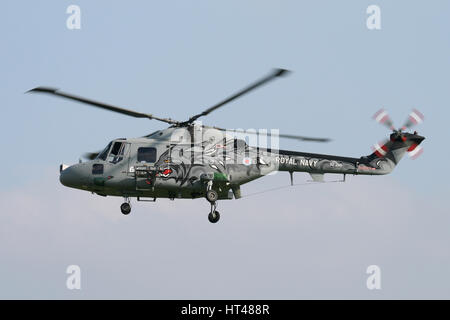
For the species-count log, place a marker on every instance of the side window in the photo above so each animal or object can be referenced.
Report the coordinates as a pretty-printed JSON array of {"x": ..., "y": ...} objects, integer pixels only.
[
  {"x": 97, "y": 168},
  {"x": 146, "y": 155}
]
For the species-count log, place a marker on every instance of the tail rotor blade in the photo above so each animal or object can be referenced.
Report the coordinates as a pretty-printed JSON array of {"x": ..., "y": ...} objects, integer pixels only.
[
  {"x": 414, "y": 118},
  {"x": 380, "y": 148},
  {"x": 415, "y": 151},
  {"x": 382, "y": 117}
]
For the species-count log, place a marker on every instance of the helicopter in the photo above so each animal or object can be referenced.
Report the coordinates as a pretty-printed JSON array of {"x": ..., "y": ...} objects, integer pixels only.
[{"x": 189, "y": 160}]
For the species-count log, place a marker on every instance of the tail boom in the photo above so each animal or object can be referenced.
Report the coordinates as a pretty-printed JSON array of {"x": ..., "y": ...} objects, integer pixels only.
[{"x": 377, "y": 163}]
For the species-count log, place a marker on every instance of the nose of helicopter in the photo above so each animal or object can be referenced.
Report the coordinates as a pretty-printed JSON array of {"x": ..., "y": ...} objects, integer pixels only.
[{"x": 72, "y": 176}]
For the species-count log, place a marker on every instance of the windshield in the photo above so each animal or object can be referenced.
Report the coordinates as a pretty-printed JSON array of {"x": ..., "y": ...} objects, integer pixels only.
[
  {"x": 102, "y": 155},
  {"x": 114, "y": 151}
]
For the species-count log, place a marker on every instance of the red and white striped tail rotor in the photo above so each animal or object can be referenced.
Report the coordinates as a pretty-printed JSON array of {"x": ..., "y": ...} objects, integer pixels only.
[
  {"x": 415, "y": 151},
  {"x": 382, "y": 117},
  {"x": 415, "y": 117}
]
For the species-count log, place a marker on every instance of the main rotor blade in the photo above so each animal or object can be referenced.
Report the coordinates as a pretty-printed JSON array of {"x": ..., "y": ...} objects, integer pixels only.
[
  {"x": 91, "y": 155},
  {"x": 303, "y": 138},
  {"x": 285, "y": 136},
  {"x": 274, "y": 74},
  {"x": 98, "y": 104}
]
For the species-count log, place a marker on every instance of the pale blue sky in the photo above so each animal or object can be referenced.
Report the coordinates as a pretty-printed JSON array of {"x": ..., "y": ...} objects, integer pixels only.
[{"x": 176, "y": 58}]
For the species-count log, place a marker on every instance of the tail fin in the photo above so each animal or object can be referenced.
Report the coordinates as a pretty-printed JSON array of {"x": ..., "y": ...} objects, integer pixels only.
[{"x": 387, "y": 155}]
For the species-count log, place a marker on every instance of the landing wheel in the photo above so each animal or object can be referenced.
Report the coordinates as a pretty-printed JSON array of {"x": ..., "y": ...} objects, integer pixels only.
[
  {"x": 212, "y": 195},
  {"x": 213, "y": 217},
  {"x": 125, "y": 208}
]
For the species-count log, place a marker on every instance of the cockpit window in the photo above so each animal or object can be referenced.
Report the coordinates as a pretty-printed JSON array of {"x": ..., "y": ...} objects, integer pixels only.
[
  {"x": 116, "y": 147},
  {"x": 102, "y": 155},
  {"x": 117, "y": 152}
]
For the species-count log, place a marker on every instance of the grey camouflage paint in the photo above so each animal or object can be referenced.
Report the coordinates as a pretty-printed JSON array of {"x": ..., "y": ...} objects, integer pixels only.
[{"x": 183, "y": 169}]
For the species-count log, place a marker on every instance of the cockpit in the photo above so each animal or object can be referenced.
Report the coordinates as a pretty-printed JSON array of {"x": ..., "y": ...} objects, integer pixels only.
[{"x": 114, "y": 152}]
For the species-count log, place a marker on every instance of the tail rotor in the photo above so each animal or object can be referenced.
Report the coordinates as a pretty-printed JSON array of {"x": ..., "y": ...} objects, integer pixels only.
[{"x": 400, "y": 135}]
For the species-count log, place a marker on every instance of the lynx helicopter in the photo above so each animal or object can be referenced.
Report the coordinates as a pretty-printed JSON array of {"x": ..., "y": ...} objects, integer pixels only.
[{"x": 190, "y": 160}]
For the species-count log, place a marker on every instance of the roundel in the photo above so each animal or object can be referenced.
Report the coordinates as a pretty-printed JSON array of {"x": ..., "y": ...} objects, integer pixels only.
[{"x": 247, "y": 161}]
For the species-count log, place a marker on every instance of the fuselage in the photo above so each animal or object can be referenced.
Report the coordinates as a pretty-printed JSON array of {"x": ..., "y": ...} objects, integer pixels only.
[{"x": 167, "y": 164}]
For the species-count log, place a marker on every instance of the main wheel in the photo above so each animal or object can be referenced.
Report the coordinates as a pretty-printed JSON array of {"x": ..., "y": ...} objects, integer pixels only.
[
  {"x": 214, "y": 217},
  {"x": 212, "y": 195},
  {"x": 125, "y": 208}
]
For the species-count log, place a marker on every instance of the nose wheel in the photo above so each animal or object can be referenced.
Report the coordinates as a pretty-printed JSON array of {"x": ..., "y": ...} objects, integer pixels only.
[{"x": 126, "y": 207}]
